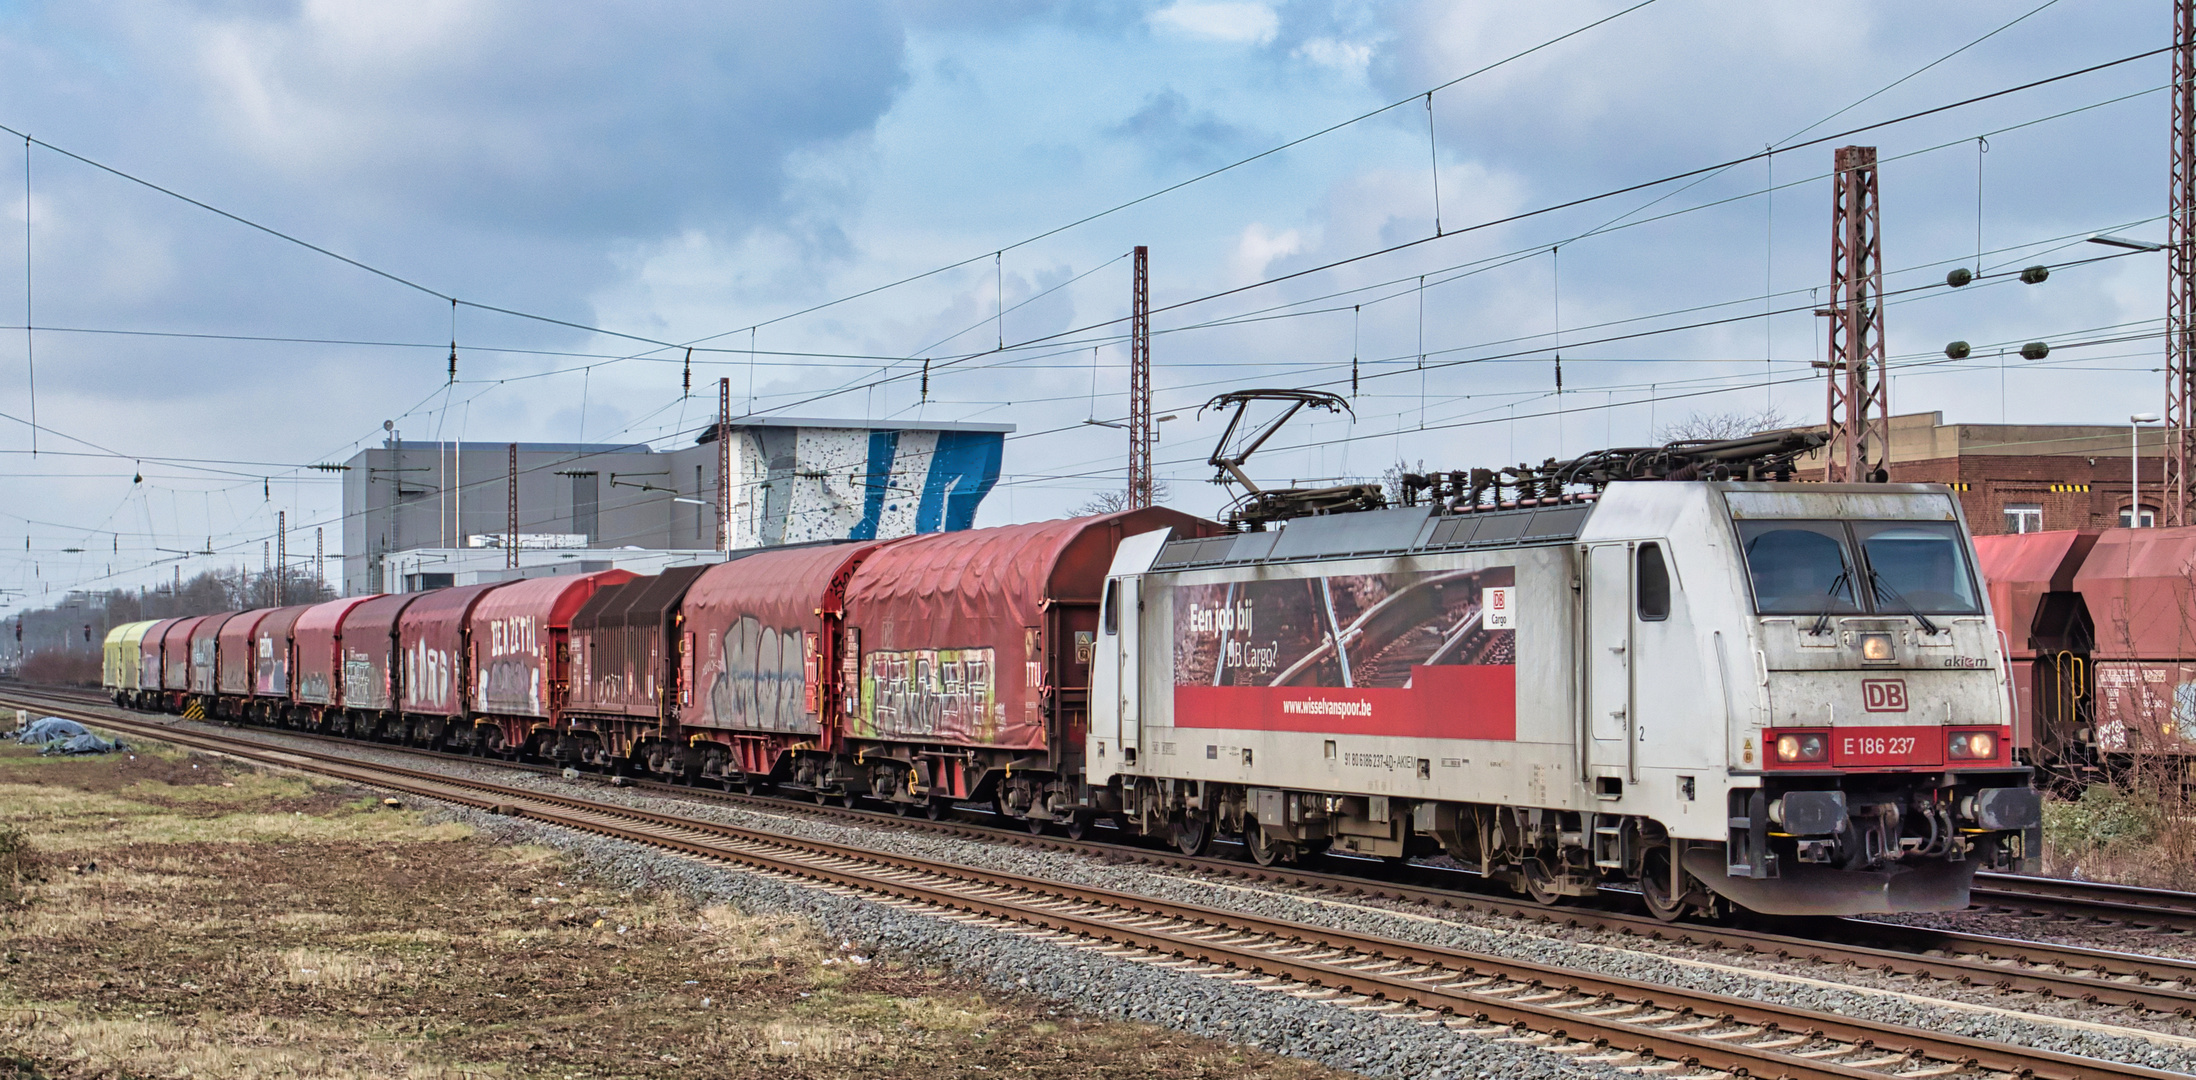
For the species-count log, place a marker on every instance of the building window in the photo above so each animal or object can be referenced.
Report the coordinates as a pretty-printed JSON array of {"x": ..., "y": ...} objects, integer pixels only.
[
  {"x": 2147, "y": 519},
  {"x": 2023, "y": 517}
]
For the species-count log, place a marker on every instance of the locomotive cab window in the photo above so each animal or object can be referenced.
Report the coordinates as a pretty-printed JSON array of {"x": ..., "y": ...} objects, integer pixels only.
[
  {"x": 1799, "y": 567},
  {"x": 1111, "y": 616},
  {"x": 1654, "y": 584},
  {"x": 1918, "y": 566}
]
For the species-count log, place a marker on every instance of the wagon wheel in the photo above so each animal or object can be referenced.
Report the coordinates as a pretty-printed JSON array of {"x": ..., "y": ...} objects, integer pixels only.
[
  {"x": 751, "y": 784},
  {"x": 1079, "y": 824},
  {"x": 936, "y": 808},
  {"x": 1036, "y": 826},
  {"x": 850, "y": 799}
]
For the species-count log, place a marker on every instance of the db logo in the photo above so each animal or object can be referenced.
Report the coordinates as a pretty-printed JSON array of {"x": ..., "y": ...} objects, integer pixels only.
[
  {"x": 1883, "y": 695},
  {"x": 1497, "y": 612}
]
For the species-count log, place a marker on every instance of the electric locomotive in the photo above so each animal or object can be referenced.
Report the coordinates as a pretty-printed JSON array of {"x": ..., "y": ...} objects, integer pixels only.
[{"x": 1695, "y": 679}]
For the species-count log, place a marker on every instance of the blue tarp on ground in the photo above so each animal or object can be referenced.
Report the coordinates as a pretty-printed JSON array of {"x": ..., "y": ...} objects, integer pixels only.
[
  {"x": 48, "y": 728},
  {"x": 59, "y": 736},
  {"x": 87, "y": 743}
]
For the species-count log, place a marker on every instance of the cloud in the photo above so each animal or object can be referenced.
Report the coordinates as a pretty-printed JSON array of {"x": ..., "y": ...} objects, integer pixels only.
[
  {"x": 1347, "y": 56},
  {"x": 1233, "y": 21},
  {"x": 1169, "y": 128},
  {"x": 1259, "y": 246}
]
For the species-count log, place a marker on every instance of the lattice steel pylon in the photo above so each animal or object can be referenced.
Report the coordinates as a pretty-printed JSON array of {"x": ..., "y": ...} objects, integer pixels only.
[
  {"x": 511, "y": 522},
  {"x": 2180, "y": 410},
  {"x": 1858, "y": 397},
  {"x": 724, "y": 464},
  {"x": 1139, "y": 486}
]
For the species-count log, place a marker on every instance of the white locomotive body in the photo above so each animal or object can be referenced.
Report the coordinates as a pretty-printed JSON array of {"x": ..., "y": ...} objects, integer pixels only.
[{"x": 1785, "y": 696}]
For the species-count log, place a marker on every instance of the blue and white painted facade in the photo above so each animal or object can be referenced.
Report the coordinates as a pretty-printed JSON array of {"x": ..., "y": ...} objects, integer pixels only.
[
  {"x": 803, "y": 481},
  {"x": 793, "y": 481}
]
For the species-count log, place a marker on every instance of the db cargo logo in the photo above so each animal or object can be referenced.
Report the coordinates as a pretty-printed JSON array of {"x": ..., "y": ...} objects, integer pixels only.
[
  {"x": 1883, "y": 695},
  {"x": 1497, "y": 608}
]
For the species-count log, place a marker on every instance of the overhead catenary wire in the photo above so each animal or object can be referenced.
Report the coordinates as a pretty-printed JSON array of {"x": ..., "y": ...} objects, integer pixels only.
[
  {"x": 1522, "y": 216},
  {"x": 1000, "y": 336}
]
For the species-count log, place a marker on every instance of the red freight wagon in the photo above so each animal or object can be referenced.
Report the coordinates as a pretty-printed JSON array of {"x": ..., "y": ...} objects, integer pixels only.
[
  {"x": 974, "y": 648},
  {"x": 206, "y": 652},
  {"x": 520, "y": 657},
  {"x": 175, "y": 655},
  {"x": 431, "y": 635},
  {"x": 2140, "y": 585},
  {"x": 2140, "y": 589},
  {"x": 149, "y": 666},
  {"x": 316, "y": 658},
  {"x": 622, "y": 669},
  {"x": 2046, "y": 631},
  {"x": 758, "y": 659},
  {"x": 369, "y": 651},
  {"x": 271, "y": 651},
  {"x": 233, "y": 654}
]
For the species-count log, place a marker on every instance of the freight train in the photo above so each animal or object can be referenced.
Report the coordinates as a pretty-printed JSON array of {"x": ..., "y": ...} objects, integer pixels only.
[
  {"x": 2101, "y": 629},
  {"x": 1716, "y": 691}
]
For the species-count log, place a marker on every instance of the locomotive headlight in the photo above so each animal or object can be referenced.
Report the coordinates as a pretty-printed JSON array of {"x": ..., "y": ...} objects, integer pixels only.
[
  {"x": 1876, "y": 648},
  {"x": 1802, "y": 747},
  {"x": 1972, "y": 745}
]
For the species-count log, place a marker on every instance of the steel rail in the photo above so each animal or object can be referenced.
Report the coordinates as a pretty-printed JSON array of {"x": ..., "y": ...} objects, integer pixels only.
[
  {"x": 1624, "y": 1017},
  {"x": 2095, "y": 976},
  {"x": 2162, "y": 909}
]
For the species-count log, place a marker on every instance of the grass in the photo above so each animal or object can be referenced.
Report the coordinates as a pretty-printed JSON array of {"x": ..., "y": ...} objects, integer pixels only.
[
  {"x": 169, "y": 915},
  {"x": 2129, "y": 834}
]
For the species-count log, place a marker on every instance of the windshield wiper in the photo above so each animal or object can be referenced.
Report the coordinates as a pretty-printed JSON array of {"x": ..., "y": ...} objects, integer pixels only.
[
  {"x": 1884, "y": 590},
  {"x": 1822, "y": 621}
]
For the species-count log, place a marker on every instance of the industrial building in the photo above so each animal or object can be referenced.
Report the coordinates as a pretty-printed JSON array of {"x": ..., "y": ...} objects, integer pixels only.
[
  {"x": 423, "y": 514},
  {"x": 2015, "y": 478}
]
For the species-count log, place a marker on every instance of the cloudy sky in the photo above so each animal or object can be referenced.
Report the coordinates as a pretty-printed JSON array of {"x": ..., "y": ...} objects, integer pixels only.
[{"x": 845, "y": 188}]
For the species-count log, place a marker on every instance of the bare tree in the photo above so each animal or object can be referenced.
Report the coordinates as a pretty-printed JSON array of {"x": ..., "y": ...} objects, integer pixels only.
[
  {"x": 1117, "y": 500},
  {"x": 1391, "y": 478},
  {"x": 1724, "y": 425}
]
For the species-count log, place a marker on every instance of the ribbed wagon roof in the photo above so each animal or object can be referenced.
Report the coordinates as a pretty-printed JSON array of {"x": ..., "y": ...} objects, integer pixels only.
[
  {"x": 2140, "y": 585},
  {"x": 2018, "y": 568}
]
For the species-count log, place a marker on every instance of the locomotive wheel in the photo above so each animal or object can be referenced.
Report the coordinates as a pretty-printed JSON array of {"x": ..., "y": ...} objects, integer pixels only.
[
  {"x": 1539, "y": 883},
  {"x": 1264, "y": 850},
  {"x": 1654, "y": 885},
  {"x": 1191, "y": 833}
]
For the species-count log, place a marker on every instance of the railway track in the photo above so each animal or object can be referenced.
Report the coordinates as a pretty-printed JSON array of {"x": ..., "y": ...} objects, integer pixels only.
[
  {"x": 2008, "y": 965},
  {"x": 2154, "y": 909},
  {"x": 1586, "y": 1016},
  {"x": 1589, "y": 1017}
]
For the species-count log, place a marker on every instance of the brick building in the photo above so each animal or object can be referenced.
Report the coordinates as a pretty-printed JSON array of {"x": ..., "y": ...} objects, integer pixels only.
[{"x": 2027, "y": 477}]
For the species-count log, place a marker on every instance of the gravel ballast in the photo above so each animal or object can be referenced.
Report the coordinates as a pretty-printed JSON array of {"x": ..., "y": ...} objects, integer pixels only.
[
  {"x": 2066, "y": 1026},
  {"x": 1083, "y": 979}
]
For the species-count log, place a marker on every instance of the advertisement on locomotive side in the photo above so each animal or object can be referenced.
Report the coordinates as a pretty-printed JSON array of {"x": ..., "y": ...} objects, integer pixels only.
[{"x": 1423, "y": 653}]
